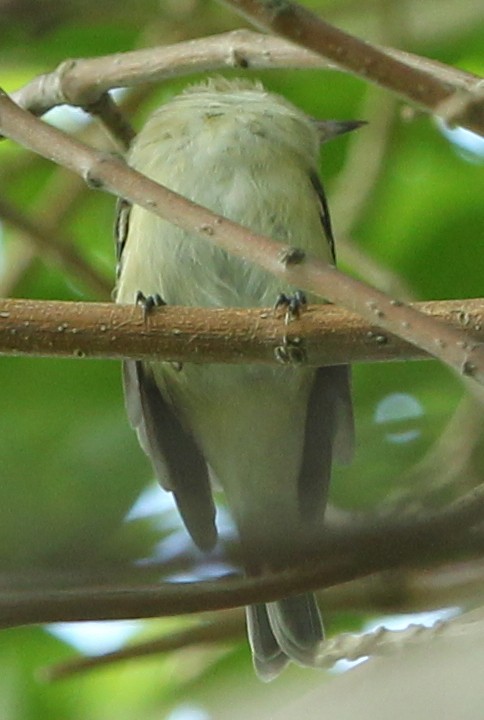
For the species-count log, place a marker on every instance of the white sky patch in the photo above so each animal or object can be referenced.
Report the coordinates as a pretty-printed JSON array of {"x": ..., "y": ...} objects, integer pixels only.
[
  {"x": 400, "y": 407},
  {"x": 70, "y": 119},
  {"x": 152, "y": 501},
  {"x": 66, "y": 117},
  {"x": 470, "y": 145},
  {"x": 401, "y": 622},
  {"x": 95, "y": 638},
  {"x": 188, "y": 712},
  {"x": 396, "y": 623},
  {"x": 342, "y": 666}
]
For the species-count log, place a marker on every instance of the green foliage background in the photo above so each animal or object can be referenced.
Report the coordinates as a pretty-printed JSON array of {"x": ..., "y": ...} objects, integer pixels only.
[{"x": 70, "y": 467}]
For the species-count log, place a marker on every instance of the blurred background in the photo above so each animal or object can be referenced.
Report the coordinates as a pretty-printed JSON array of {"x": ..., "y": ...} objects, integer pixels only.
[{"x": 77, "y": 498}]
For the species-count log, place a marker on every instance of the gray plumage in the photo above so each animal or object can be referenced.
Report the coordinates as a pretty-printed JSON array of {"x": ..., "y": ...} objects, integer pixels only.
[{"x": 266, "y": 434}]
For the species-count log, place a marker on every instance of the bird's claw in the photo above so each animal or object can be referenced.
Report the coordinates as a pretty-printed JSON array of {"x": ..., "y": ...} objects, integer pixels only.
[
  {"x": 148, "y": 302},
  {"x": 293, "y": 304}
]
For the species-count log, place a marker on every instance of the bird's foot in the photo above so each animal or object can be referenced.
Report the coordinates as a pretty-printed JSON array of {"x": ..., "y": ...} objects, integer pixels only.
[
  {"x": 292, "y": 350},
  {"x": 148, "y": 302},
  {"x": 293, "y": 303}
]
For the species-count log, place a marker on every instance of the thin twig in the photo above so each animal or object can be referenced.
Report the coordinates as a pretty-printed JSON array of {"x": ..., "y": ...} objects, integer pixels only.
[
  {"x": 354, "y": 187},
  {"x": 373, "y": 271},
  {"x": 226, "y": 627},
  {"x": 413, "y": 82},
  {"x": 20, "y": 257},
  {"x": 408, "y": 590},
  {"x": 61, "y": 249},
  {"x": 364, "y": 162},
  {"x": 448, "y": 462},
  {"x": 327, "y": 334},
  {"x": 109, "y": 114},
  {"x": 449, "y": 344}
]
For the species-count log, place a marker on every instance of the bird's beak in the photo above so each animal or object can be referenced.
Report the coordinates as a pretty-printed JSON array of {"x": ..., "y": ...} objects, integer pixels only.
[{"x": 329, "y": 129}]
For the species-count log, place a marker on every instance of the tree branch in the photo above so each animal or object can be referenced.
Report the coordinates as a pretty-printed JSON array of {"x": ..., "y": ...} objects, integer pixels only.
[
  {"x": 62, "y": 250},
  {"x": 355, "y": 185},
  {"x": 353, "y": 552},
  {"x": 404, "y": 591},
  {"x": 85, "y": 82},
  {"x": 326, "y": 335},
  {"x": 101, "y": 171},
  {"x": 411, "y": 81},
  {"x": 224, "y": 628}
]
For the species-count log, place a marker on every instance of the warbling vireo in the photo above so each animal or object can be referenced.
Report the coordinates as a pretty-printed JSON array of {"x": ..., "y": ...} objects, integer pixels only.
[{"x": 267, "y": 435}]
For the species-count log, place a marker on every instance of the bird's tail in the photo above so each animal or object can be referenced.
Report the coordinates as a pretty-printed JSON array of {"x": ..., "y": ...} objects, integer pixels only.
[{"x": 289, "y": 629}]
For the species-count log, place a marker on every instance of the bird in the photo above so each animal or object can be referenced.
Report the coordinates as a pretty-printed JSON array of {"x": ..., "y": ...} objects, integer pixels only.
[{"x": 267, "y": 435}]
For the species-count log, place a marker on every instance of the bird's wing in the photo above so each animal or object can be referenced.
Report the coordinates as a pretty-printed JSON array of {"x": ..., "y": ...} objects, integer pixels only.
[
  {"x": 121, "y": 227},
  {"x": 178, "y": 463},
  {"x": 329, "y": 416},
  {"x": 324, "y": 213},
  {"x": 329, "y": 433},
  {"x": 174, "y": 454}
]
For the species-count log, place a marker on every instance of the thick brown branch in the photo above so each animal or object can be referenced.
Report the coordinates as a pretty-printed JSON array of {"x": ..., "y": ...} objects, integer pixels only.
[
  {"x": 449, "y": 344},
  {"x": 369, "y": 62},
  {"x": 327, "y": 334}
]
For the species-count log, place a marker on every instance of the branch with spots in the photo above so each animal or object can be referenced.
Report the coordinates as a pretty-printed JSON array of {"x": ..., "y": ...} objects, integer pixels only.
[
  {"x": 86, "y": 82},
  {"x": 427, "y": 90},
  {"x": 105, "y": 172},
  {"x": 324, "y": 335}
]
